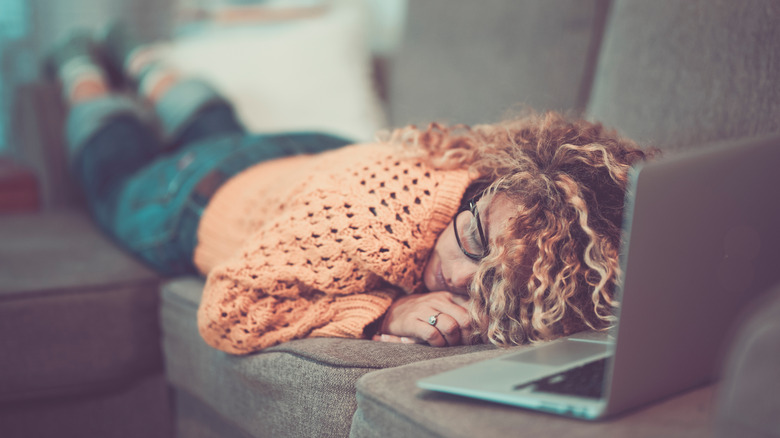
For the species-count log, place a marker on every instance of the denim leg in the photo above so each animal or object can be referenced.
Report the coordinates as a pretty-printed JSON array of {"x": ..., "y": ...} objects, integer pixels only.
[
  {"x": 192, "y": 110},
  {"x": 217, "y": 119},
  {"x": 257, "y": 148},
  {"x": 157, "y": 209},
  {"x": 153, "y": 208},
  {"x": 108, "y": 142},
  {"x": 246, "y": 151},
  {"x": 129, "y": 187}
]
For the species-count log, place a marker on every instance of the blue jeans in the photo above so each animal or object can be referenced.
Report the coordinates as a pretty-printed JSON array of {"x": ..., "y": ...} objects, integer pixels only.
[{"x": 150, "y": 202}]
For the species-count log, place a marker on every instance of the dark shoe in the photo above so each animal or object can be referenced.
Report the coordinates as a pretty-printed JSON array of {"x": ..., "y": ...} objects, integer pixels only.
[
  {"x": 76, "y": 44},
  {"x": 118, "y": 44}
]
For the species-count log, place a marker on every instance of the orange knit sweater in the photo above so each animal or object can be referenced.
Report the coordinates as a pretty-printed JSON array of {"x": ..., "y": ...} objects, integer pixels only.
[{"x": 318, "y": 245}]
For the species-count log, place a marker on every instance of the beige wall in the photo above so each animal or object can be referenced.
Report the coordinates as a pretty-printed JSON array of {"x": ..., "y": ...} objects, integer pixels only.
[{"x": 54, "y": 18}]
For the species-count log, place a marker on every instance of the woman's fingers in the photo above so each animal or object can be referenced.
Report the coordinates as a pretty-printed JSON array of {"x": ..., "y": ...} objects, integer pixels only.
[
  {"x": 462, "y": 321},
  {"x": 449, "y": 328},
  {"x": 395, "y": 339},
  {"x": 432, "y": 336},
  {"x": 452, "y": 321},
  {"x": 410, "y": 317}
]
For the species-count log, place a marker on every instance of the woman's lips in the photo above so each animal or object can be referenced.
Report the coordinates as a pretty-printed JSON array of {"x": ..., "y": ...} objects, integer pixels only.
[{"x": 434, "y": 280}]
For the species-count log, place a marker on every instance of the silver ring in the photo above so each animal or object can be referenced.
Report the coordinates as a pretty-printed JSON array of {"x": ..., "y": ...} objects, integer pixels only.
[{"x": 434, "y": 319}]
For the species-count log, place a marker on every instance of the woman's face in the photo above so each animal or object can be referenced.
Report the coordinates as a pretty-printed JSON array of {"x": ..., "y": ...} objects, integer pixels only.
[{"x": 448, "y": 268}]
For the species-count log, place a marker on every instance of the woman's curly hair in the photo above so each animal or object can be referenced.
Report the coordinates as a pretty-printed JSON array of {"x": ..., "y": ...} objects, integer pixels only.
[{"x": 555, "y": 272}]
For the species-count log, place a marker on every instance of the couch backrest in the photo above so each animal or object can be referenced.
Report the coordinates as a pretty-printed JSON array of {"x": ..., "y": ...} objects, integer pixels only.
[
  {"x": 668, "y": 73},
  {"x": 677, "y": 73},
  {"x": 471, "y": 62},
  {"x": 37, "y": 126}
]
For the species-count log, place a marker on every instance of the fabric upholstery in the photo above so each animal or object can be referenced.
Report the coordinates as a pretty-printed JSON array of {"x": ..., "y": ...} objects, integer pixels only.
[
  {"x": 673, "y": 73},
  {"x": 77, "y": 315},
  {"x": 749, "y": 395},
  {"x": 140, "y": 409},
  {"x": 196, "y": 419},
  {"x": 299, "y": 388},
  {"x": 463, "y": 62},
  {"x": 390, "y": 405}
]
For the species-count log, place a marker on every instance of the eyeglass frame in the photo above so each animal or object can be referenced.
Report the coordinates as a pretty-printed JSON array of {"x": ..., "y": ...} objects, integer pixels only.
[{"x": 471, "y": 206}]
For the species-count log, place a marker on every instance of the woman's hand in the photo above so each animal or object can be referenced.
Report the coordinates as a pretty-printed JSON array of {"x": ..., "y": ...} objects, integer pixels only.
[{"x": 406, "y": 320}]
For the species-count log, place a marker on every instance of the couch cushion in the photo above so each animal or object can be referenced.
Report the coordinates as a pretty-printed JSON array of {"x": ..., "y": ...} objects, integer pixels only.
[
  {"x": 274, "y": 79},
  {"x": 749, "y": 396},
  {"x": 141, "y": 410},
  {"x": 462, "y": 62},
  {"x": 300, "y": 388},
  {"x": 390, "y": 404},
  {"x": 76, "y": 313},
  {"x": 678, "y": 73}
]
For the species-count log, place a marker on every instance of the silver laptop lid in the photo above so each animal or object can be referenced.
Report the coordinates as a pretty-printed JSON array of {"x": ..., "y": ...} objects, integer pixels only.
[{"x": 704, "y": 240}]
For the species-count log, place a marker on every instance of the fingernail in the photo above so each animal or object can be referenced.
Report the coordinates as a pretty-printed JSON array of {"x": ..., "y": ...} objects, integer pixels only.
[{"x": 383, "y": 337}]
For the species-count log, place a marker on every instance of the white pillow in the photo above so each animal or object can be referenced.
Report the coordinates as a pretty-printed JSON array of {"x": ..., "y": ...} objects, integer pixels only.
[{"x": 304, "y": 74}]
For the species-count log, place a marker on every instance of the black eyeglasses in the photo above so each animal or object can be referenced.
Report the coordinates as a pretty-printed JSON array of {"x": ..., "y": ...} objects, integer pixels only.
[{"x": 473, "y": 248}]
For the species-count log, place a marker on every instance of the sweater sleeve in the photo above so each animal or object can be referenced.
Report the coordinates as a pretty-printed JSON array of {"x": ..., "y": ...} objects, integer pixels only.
[
  {"x": 295, "y": 276},
  {"x": 331, "y": 262},
  {"x": 237, "y": 322}
]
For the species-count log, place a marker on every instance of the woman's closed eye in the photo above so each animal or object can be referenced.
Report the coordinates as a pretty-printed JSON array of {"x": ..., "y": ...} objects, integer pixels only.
[
  {"x": 469, "y": 234},
  {"x": 474, "y": 242}
]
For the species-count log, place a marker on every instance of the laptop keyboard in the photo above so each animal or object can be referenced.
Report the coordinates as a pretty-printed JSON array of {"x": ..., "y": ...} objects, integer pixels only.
[{"x": 584, "y": 381}]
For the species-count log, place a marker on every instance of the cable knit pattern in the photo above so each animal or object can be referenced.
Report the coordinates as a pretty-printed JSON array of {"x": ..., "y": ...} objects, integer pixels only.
[{"x": 331, "y": 239}]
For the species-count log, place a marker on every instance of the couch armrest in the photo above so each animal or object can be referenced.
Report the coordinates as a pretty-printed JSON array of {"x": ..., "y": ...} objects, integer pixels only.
[
  {"x": 390, "y": 404},
  {"x": 37, "y": 120},
  {"x": 299, "y": 388},
  {"x": 18, "y": 188},
  {"x": 749, "y": 395}
]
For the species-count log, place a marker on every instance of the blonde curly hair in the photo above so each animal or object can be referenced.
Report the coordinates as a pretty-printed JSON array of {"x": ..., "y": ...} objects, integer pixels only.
[{"x": 555, "y": 272}]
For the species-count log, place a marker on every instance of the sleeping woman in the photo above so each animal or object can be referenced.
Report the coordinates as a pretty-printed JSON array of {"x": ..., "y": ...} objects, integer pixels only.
[{"x": 505, "y": 233}]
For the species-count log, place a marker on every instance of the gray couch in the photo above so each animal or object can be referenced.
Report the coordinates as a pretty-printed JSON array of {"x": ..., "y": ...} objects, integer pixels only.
[{"x": 93, "y": 346}]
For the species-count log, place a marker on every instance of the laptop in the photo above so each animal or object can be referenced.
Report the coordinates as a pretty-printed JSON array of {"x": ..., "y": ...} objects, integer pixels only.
[{"x": 701, "y": 241}]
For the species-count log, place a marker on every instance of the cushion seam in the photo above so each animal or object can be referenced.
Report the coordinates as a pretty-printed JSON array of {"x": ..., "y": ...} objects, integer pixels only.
[
  {"x": 105, "y": 386},
  {"x": 71, "y": 290}
]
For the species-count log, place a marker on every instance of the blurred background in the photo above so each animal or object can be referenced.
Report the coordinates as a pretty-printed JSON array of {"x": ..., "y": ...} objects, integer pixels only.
[
  {"x": 350, "y": 66},
  {"x": 29, "y": 28},
  {"x": 346, "y": 67}
]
